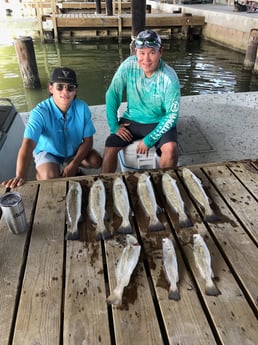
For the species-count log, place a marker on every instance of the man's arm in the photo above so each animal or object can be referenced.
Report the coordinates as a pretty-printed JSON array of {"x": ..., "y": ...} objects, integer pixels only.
[{"x": 22, "y": 164}]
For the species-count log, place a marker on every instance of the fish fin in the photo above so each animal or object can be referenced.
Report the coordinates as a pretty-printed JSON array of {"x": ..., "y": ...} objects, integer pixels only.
[
  {"x": 73, "y": 236},
  {"x": 174, "y": 294},
  {"x": 115, "y": 298},
  {"x": 185, "y": 222},
  {"x": 155, "y": 225},
  {"x": 211, "y": 289}
]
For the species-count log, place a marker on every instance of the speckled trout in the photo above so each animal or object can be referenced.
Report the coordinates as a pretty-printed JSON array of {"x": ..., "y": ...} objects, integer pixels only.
[
  {"x": 195, "y": 188},
  {"x": 121, "y": 205},
  {"x": 170, "y": 267},
  {"x": 125, "y": 267},
  {"x": 97, "y": 209},
  {"x": 148, "y": 201},
  {"x": 73, "y": 210},
  {"x": 203, "y": 263},
  {"x": 174, "y": 199}
]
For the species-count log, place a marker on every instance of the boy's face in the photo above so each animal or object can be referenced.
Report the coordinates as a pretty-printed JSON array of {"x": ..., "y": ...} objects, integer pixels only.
[{"x": 63, "y": 93}]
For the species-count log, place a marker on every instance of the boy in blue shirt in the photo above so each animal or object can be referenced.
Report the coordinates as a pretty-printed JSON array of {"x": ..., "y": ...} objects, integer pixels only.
[
  {"x": 153, "y": 98},
  {"x": 59, "y": 133}
]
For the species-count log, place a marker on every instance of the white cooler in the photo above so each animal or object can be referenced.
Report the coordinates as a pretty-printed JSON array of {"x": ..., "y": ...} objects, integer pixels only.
[
  {"x": 130, "y": 160},
  {"x": 11, "y": 135}
]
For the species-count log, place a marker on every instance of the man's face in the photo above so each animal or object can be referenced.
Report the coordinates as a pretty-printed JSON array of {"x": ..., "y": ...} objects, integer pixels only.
[{"x": 148, "y": 59}]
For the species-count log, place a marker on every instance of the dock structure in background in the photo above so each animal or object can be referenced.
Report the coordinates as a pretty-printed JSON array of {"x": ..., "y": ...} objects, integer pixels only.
[{"x": 79, "y": 21}]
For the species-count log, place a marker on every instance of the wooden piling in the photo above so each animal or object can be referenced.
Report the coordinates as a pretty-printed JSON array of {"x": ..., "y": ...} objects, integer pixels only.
[
  {"x": 138, "y": 16},
  {"x": 98, "y": 6},
  {"x": 251, "y": 51},
  {"x": 255, "y": 69},
  {"x": 27, "y": 62},
  {"x": 109, "y": 8}
]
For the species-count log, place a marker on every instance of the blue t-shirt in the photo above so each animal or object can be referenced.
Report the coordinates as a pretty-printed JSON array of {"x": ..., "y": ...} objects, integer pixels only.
[
  {"x": 149, "y": 100},
  {"x": 57, "y": 134}
]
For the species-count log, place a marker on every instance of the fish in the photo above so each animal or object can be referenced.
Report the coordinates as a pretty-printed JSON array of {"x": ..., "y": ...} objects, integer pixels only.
[
  {"x": 194, "y": 185},
  {"x": 121, "y": 205},
  {"x": 73, "y": 210},
  {"x": 125, "y": 267},
  {"x": 175, "y": 200},
  {"x": 148, "y": 201},
  {"x": 171, "y": 268},
  {"x": 203, "y": 263},
  {"x": 97, "y": 209}
]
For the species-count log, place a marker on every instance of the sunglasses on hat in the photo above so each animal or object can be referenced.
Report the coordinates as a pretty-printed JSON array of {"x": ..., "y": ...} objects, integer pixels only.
[{"x": 149, "y": 42}]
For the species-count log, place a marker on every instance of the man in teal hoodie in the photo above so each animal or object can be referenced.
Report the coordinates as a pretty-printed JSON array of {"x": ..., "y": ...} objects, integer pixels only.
[{"x": 152, "y": 93}]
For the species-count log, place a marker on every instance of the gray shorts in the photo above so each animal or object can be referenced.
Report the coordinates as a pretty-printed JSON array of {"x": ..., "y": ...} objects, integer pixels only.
[{"x": 45, "y": 157}]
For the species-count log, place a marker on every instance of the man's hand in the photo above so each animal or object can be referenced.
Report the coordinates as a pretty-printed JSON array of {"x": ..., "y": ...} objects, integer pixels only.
[
  {"x": 14, "y": 182},
  {"x": 142, "y": 148},
  {"x": 70, "y": 170},
  {"x": 124, "y": 133}
]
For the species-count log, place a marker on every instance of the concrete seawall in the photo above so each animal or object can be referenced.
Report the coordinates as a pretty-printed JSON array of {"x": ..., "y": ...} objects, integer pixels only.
[
  {"x": 211, "y": 128},
  {"x": 223, "y": 24}
]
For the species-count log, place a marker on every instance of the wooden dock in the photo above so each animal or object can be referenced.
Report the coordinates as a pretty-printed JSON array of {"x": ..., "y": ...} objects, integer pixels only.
[
  {"x": 78, "y": 21},
  {"x": 54, "y": 291}
]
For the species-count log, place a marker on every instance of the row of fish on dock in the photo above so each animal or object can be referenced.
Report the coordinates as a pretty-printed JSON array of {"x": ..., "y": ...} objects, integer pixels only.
[
  {"x": 146, "y": 194},
  {"x": 131, "y": 252}
]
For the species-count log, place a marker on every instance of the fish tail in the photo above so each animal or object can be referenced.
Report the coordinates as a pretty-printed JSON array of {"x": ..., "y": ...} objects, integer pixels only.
[
  {"x": 102, "y": 233},
  {"x": 184, "y": 222},
  {"x": 211, "y": 289},
  {"x": 125, "y": 228},
  {"x": 174, "y": 294},
  {"x": 115, "y": 298},
  {"x": 210, "y": 216},
  {"x": 155, "y": 225},
  {"x": 72, "y": 235}
]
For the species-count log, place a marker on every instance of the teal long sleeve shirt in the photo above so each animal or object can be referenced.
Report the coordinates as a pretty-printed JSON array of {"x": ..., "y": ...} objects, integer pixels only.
[{"x": 149, "y": 100}]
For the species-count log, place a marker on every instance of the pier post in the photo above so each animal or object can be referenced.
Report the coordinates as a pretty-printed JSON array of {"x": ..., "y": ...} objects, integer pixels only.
[
  {"x": 27, "y": 62},
  {"x": 138, "y": 16},
  {"x": 98, "y": 6},
  {"x": 255, "y": 69},
  {"x": 250, "y": 55},
  {"x": 109, "y": 8}
]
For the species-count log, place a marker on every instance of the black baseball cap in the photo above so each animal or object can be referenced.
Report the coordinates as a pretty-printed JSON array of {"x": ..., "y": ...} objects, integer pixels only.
[
  {"x": 147, "y": 39},
  {"x": 63, "y": 75}
]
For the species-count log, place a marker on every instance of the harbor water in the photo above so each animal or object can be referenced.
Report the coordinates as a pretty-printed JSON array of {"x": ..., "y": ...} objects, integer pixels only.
[{"x": 203, "y": 68}]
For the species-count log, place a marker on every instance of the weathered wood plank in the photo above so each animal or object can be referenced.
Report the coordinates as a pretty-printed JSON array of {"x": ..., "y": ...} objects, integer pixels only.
[
  {"x": 13, "y": 251},
  {"x": 231, "y": 304},
  {"x": 74, "y": 5},
  {"x": 237, "y": 197},
  {"x": 235, "y": 244},
  {"x": 39, "y": 313},
  {"x": 136, "y": 319},
  {"x": 248, "y": 175},
  {"x": 184, "y": 320},
  {"x": 153, "y": 21},
  {"x": 85, "y": 308}
]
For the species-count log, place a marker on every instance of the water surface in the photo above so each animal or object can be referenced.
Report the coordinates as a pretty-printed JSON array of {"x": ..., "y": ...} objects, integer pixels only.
[{"x": 202, "y": 67}]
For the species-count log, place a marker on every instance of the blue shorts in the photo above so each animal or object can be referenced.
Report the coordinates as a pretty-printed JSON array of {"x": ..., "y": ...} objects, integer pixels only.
[
  {"x": 139, "y": 131},
  {"x": 45, "y": 157}
]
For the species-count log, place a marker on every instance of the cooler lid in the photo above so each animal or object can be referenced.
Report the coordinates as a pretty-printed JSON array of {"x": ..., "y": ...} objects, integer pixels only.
[{"x": 7, "y": 114}]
